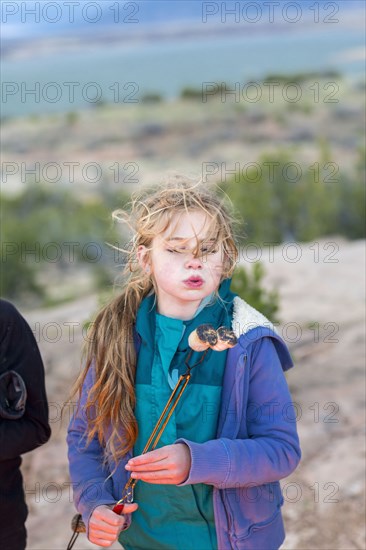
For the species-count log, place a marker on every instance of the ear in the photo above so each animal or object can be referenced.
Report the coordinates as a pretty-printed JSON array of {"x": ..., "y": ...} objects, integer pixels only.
[{"x": 143, "y": 257}]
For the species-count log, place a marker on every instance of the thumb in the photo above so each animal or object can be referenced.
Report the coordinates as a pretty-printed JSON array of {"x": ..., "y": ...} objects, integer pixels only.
[{"x": 129, "y": 508}]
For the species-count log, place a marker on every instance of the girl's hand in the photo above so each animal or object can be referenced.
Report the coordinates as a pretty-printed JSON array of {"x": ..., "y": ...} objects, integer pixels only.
[
  {"x": 105, "y": 526},
  {"x": 170, "y": 464}
]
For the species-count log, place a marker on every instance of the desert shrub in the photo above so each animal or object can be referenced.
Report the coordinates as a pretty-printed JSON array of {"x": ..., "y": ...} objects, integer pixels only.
[
  {"x": 43, "y": 228},
  {"x": 249, "y": 286},
  {"x": 283, "y": 200}
]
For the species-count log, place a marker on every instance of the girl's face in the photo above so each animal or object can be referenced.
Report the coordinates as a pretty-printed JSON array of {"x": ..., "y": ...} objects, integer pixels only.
[{"x": 183, "y": 279}]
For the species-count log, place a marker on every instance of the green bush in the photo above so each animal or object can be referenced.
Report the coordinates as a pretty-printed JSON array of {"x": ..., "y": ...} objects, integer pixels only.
[
  {"x": 191, "y": 93},
  {"x": 152, "y": 98},
  {"x": 302, "y": 77},
  {"x": 295, "y": 202},
  {"x": 249, "y": 286},
  {"x": 45, "y": 227}
]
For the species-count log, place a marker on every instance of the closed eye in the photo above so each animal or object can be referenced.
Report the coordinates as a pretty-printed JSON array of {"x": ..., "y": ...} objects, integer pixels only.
[
  {"x": 205, "y": 250},
  {"x": 172, "y": 250},
  {"x": 208, "y": 250}
]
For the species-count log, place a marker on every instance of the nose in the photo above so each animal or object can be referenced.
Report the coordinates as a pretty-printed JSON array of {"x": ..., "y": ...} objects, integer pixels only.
[{"x": 194, "y": 263}]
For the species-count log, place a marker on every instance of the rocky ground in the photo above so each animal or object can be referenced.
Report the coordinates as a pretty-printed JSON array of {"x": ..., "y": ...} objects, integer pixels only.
[{"x": 323, "y": 322}]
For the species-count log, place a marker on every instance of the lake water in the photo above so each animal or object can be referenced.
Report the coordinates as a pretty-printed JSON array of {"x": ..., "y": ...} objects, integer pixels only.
[{"x": 70, "y": 81}]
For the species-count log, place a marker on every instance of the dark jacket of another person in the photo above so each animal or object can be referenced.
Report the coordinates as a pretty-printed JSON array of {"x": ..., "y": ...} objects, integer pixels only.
[{"x": 19, "y": 353}]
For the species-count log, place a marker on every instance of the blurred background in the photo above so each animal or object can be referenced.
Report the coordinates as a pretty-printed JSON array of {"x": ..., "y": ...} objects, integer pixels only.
[{"x": 265, "y": 99}]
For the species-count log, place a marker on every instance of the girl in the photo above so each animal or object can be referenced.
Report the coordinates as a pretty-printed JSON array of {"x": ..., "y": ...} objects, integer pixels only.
[{"x": 213, "y": 480}]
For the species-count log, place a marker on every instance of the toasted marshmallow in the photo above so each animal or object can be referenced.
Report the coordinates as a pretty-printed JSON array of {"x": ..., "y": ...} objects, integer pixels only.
[
  {"x": 202, "y": 338},
  {"x": 205, "y": 336}
]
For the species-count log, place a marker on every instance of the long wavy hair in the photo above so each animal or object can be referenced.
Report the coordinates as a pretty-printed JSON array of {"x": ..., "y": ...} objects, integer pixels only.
[{"x": 110, "y": 344}]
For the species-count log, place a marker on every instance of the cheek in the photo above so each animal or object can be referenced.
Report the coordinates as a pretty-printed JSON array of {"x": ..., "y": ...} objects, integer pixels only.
[
  {"x": 165, "y": 269},
  {"x": 216, "y": 263},
  {"x": 215, "y": 269}
]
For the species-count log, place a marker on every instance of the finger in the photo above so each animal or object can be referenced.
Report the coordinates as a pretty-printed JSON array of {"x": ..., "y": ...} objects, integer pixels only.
[
  {"x": 149, "y": 466},
  {"x": 98, "y": 533},
  {"x": 104, "y": 530},
  {"x": 101, "y": 542},
  {"x": 106, "y": 517},
  {"x": 152, "y": 456},
  {"x": 160, "y": 481},
  {"x": 104, "y": 536},
  {"x": 152, "y": 477}
]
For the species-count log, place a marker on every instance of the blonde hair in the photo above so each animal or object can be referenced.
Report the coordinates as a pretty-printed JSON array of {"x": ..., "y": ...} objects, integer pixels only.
[{"x": 110, "y": 346}]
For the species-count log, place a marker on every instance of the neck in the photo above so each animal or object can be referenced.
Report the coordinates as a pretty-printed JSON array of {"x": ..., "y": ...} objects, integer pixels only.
[{"x": 184, "y": 312}]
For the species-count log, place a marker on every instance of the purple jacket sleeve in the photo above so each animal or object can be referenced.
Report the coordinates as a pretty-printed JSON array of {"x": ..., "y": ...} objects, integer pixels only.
[
  {"x": 88, "y": 475},
  {"x": 271, "y": 451}
]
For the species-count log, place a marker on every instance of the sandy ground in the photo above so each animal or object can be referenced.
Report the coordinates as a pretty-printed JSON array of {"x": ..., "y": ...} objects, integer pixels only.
[{"x": 321, "y": 288}]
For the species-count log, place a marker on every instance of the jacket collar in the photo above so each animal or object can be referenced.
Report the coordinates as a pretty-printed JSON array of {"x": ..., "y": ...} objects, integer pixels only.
[
  {"x": 245, "y": 318},
  {"x": 249, "y": 325}
]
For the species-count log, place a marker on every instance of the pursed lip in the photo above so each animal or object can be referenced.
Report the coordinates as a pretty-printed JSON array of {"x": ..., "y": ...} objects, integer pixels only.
[{"x": 194, "y": 280}]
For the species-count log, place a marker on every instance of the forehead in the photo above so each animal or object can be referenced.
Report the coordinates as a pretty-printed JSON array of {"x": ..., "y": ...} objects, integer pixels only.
[{"x": 187, "y": 225}]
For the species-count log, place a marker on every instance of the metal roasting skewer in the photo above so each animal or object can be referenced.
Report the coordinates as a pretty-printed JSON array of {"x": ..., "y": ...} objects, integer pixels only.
[{"x": 77, "y": 524}]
